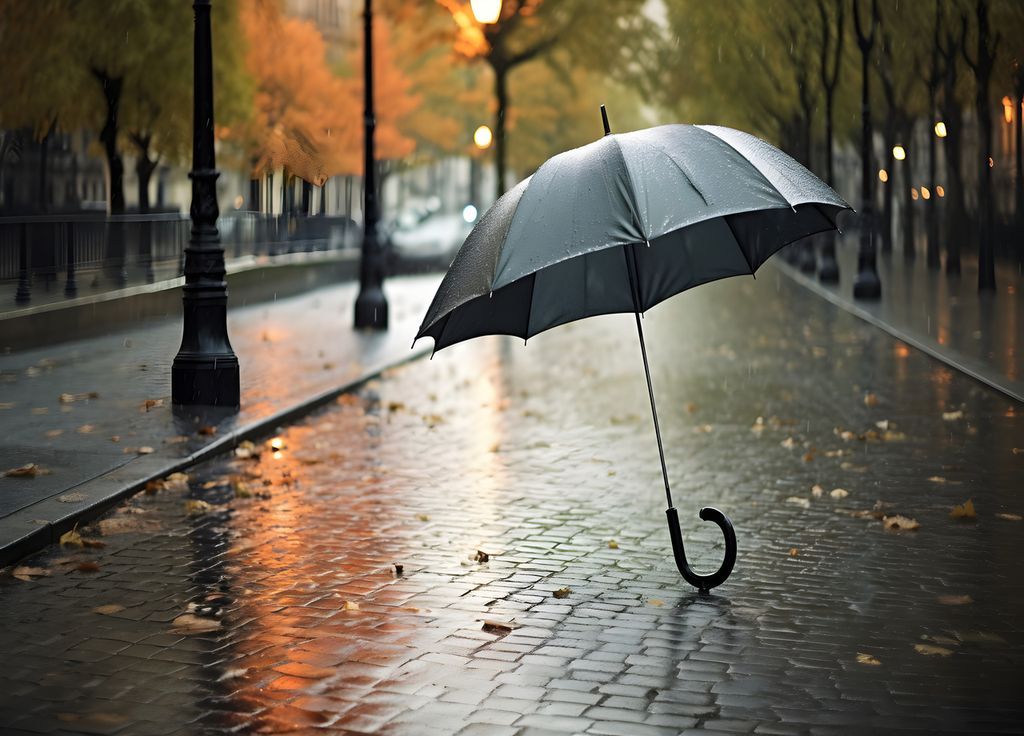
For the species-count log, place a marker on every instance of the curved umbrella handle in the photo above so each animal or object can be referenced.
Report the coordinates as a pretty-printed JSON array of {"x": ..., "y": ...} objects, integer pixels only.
[{"x": 703, "y": 583}]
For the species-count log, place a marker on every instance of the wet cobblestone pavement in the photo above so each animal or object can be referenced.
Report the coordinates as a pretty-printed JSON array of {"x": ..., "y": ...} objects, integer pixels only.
[{"x": 519, "y": 491}]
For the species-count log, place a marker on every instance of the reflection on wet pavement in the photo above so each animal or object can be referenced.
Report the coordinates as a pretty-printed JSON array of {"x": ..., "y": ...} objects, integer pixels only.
[{"x": 390, "y": 565}]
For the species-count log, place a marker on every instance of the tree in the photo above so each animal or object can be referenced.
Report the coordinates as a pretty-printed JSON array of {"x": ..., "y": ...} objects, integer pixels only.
[
  {"x": 866, "y": 285},
  {"x": 830, "y": 59},
  {"x": 529, "y": 29},
  {"x": 981, "y": 65}
]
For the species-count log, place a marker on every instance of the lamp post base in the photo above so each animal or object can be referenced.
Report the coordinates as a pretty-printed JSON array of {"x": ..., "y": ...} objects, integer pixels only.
[
  {"x": 867, "y": 285},
  {"x": 371, "y": 310},
  {"x": 207, "y": 380}
]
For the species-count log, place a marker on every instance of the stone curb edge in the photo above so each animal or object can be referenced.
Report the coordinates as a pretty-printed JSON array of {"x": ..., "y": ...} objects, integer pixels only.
[
  {"x": 950, "y": 358},
  {"x": 157, "y": 468}
]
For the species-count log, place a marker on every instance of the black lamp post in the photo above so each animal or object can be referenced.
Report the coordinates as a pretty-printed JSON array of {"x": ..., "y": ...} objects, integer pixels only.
[
  {"x": 867, "y": 284},
  {"x": 205, "y": 370},
  {"x": 371, "y": 309}
]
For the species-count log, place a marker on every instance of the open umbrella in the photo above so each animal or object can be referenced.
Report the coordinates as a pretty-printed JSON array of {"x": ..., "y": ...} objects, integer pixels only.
[{"x": 619, "y": 225}]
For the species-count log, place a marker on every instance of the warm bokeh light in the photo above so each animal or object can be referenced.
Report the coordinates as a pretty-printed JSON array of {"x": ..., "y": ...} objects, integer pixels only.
[
  {"x": 883, "y": 175},
  {"x": 940, "y": 191},
  {"x": 899, "y": 153},
  {"x": 277, "y": 444},
  {"x": 482, "y": 137},
  {"x": 925, "y": 193},
  {"x": 991, "y": 163},
  {"x": 486, "y": 11},
  {"x": 1007, "y": 109},
  {"x": 940, "y": 129},
  {"x": 913, "y": 193},
  {"x": 902, "y": 351}
]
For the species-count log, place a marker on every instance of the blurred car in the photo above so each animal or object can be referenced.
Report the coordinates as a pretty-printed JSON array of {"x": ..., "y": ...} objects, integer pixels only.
[{"x": 428, "y": 244}]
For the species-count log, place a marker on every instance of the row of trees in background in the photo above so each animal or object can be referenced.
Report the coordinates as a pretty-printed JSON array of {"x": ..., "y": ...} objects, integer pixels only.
[
  {"x": 287, "y": 101},
  {"x": 791, "y": 72}
]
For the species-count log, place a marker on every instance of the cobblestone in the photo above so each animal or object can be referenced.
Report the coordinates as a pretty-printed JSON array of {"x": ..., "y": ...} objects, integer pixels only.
[{"x": 280, "y": 609}]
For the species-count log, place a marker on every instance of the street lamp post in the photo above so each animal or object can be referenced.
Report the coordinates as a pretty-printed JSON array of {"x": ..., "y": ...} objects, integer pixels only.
[
  {"x": 205, "y": 370},
  {"x": 867, "y": 284},
  {"x": 371, "y": 310}
]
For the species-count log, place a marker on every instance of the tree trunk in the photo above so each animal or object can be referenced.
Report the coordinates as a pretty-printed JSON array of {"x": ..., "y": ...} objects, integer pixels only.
[
  {"x": 501, "y": 96},
  {"x": 144, "y": 169},
  {"x": 888, "y": 187},
  {"x": 111, "y": 88},
  {"x": 254, "y": 194},
  {"x": 955, "y": 209},
  {"x": 906, "y": 185}
]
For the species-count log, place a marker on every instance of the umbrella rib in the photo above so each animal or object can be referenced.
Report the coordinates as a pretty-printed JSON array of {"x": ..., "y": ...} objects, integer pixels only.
[
  {"x": 740, "y": 246},
  {"x": 682, "y": 170},
  {"x": 529, "y": 308}
]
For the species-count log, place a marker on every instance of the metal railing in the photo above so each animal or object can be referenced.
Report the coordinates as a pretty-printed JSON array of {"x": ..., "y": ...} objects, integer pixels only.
[{"x": 77, "y": 253}]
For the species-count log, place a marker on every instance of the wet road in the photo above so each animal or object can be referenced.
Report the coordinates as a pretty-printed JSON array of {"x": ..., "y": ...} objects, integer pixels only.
[{"x": 278, "y": 608}]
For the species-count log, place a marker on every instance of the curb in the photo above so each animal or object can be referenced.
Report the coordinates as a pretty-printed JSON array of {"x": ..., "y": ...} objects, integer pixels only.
[
  {"x": 132, "y": 477},
  {"x": 968, "y": 366}
]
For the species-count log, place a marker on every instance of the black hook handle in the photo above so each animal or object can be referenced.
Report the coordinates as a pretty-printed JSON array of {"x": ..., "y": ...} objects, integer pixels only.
[{"x": 703, "y": 583}]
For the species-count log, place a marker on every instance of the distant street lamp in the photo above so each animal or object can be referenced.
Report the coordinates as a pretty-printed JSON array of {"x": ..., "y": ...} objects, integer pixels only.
[
  {"x": 482, "y": 137},
  {"x": 866, "y": 285},
  {"x": 482, "y": 140},
  {"x": 899, "y": 153},
  {"x": 940, "y": 129},
  {"x": 205, "y": 370},
  {"x": 486, "y": 11},
  {"x": 371, "y": 310}
]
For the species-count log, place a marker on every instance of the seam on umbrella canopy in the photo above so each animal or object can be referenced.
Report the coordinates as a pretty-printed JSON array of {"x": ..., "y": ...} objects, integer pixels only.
[
  {"x": 747, "y": 145},
  {"x": 682, "y": 169}
]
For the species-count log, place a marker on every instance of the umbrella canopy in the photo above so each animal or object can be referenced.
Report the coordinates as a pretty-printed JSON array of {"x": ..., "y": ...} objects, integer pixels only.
[
  {"x": 619, "y": 225},
  {"x": 704, "y": 202}
]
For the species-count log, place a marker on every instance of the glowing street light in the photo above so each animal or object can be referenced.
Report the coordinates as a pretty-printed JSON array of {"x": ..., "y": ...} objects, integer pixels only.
[
  {"x": 883, "y": 176},
  {"x": 940, "y": 129},
  {"x": 940, "y": 191},
  {"x": 486, "y": 11},
  {"x": 482, "y": 137},
  {"x": 1007, "y": 109},
  {"x": 899, "y": 153},
  {"x": 925, "y": 193}
]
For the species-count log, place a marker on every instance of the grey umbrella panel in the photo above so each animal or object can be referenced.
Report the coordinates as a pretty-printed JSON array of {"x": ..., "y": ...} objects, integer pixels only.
[{"x": 698, "y": 202}]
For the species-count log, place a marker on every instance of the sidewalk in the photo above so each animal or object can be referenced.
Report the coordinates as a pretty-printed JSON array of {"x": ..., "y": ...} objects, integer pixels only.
[
  {"x": 95, "y": 414},
  {"x": 278, "y": 608},
  {"x": 981, "y": 335}
]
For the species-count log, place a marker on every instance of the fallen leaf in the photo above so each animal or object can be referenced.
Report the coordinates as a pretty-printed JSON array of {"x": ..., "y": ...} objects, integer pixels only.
[
  {"x": 399, "y": 568},
  {"x": 207, "y": 431},
  {"x": 952, "y": 416},
  {"x": 26, "y": 573},
  {"x": 797, "y": 501},
  {"x": 75, "y": 497},
  {"x": 241, "y": 488},
  {"x": 789, "y": 443},
  {"x": 53, "y": 433},
  {"x": 794, "y": 552},
  {"x": 195, "y": 506},
  {"x": 562, "y": 592},
  {"x": 955, "y": 600},
  {"x": 612, "y": 544},
  {"x": 703, "y": 429},
  {"x": 433, "y": 420},
  {"x": 109, "y": 609},
  {"x": 963, "y": 511},
  {"x": 115, "y": 438},
  {"x": 144, "y": 450},
  {"x": 937, "y": 479},
  {"x": 1010, "y": 517},
  {"x": 246, "y": 450},
  {"x": 71, "y": 538},
  {"x": 151, "y": 404},
  {"x": 839, "y": 493},
  {"x": 900, "y": 523},
  {"x": 423, "y": 517},
  {"x": 88, "y": 566},
  {"x": 656, "y": 602},
  {"x": 867, "y": 659},
  {"x": 176, "y": 482},
  {"x": 481, "y": 556},
  {"x": 870, "y": 399},
  {"x": 809, "y": 456},
  {"x": 979, "y": 637},
  {"x": 178, "y": 439},
  {"x": 892, "y": 436},
  {"x": 817, "y": 491},
  {"x": 124, "y": 524},
  {"x": 154, "y": 486},
  {"x": 931, "y": 650},
  {"x": 93, "y": 543},
  {"x": 394, "y": 406},
  {"x": 86, "y": 429},
  {"x": 499, "y": 627},
  {"x": 883, "y": 424},
  {"x": 189, "y": 623},
  {"x": 350, "y": 606},
  {"x": 31, "y": 470}
]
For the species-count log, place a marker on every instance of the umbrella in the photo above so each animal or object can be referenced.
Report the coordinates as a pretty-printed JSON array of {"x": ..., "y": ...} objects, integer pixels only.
[{"x": 619, "y": 225}]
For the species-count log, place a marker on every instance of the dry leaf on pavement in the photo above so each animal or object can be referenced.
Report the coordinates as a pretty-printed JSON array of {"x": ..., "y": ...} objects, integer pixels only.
[
  {"x": 963, "y": 511},
  {"x": 794, "y": 552},
  {"x": 499, "y": 627},
  {"x": 1010, "y": 517},
  {"x": 30, "y": 470},
  {"x": 75, "y": 497},
  {"x": 839, "y": 493},
  {"x": 109, "y": 609},
  {"x": 817, "y": 491},
  {"x": 188, "y": 623},
  {"x": 612, "y": 544},
  {"x": 350, "y": 606},
  {"x": 797, "y": 501},
  {"x": 870, "y": 399},
  {"x": 562, "y": 592},
  {"x": 88, "y": 566},
  {"x": 195, "y": 506},
  {"x": 955, "y": 600},
  {"x": 867, "y": 659},
  {"x": 932, "y": 650},
  {"x": 71, "y": 538},
  {"x": 900, "y": 523},
  {"x": 952, "y": 416},
  {"x": 27, "y": 573}
]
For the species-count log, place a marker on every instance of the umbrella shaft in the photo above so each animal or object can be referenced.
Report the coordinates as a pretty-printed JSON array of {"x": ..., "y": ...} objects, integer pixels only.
[{"x": 630, "y": 269}]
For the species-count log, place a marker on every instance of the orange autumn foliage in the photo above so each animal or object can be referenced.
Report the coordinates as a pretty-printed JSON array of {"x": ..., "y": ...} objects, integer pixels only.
[{"x": 307, "y": 119}]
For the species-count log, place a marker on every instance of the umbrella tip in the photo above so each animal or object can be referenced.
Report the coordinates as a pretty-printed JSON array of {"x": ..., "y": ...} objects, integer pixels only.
[{"x": 604, "y": 119}]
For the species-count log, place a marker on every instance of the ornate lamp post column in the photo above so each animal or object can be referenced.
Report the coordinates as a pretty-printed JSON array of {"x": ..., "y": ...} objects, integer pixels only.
[
  {"x": 205, "y": 370},
  {"x": 371, "y": 309}
]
